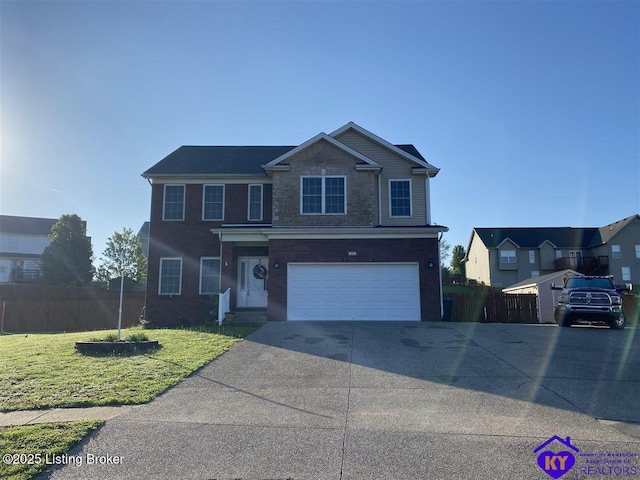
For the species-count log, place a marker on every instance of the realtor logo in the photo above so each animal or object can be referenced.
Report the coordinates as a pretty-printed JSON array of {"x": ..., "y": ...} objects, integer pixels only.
[{"x": 556, "y": 464}]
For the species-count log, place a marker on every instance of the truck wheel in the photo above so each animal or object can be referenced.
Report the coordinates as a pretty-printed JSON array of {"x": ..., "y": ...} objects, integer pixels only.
[{"x": 618, "y": 323}]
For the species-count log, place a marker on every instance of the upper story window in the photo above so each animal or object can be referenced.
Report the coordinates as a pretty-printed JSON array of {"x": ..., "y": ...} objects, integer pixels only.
[
  {"x": 400, "y": 198},
  {"x": 173, "y": 208},
  {"x": 323, "y": 195},
  {"x": 532, "y": 256},
  {"x": 637, "y": 251},
  {"x": 170, "y": 276},
  {"x": 213, "y": 202},
  {"x": 615, "y": 251},
  {"x": 507, "y": 256},
  {"x": 255, "y": 202}
]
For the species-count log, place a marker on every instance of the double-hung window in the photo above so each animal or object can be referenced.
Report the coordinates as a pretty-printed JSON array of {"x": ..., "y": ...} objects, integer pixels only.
[
  {"x": 323, "y": 195},
  {"x": 209, "y": 276},
  {"x": 507, "y": 256},
  {"x": 170, "y": 276},
  {"x": 615, "y": 251},
  {"x": 213, "y": 202},
  {"x": 400, "y": 198},
  {"x": 626, "y": 274},
  {"x": 173, "y": 208},
  {"x": 255, "y": 202}
]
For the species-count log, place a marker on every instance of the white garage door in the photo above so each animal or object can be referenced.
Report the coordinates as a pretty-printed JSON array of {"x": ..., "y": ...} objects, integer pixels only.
[{"x": 354, "y": 291}]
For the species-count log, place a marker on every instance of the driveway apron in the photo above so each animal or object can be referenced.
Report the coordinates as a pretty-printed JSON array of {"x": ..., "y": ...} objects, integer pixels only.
[{"x": 382, "y": 400}]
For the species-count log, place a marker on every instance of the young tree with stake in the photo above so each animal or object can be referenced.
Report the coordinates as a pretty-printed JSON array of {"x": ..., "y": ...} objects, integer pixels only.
[{"x": 123, "y": 257}]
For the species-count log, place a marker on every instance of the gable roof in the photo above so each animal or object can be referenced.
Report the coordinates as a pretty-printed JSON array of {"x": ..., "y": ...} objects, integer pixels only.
[
  {"x": 533, "y": 237},
  {"x": 559, "y": 237},
  {"x": 405, "y": 153},
  {"x": 217, "y": 160},
  {"x": 236, "y": 160},
  {"x": 534, "y": 281},
  {"x": 609, "y": 231},
  {"x": 316, "y": 139},
  {"x": 26, "y": 225}
]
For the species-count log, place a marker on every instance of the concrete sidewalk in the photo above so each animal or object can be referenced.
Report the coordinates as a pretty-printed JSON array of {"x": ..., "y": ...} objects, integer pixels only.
[
  {"x": 30, "y": 417},
  {"x": 382, "y": 400}
]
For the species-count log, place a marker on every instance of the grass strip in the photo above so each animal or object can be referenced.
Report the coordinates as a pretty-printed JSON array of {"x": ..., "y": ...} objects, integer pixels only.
[
  {"x": 45, "y": 371},
  {"x": 26, "y": 449}
]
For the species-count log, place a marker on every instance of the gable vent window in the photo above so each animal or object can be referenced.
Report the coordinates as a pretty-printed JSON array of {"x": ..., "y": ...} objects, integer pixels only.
[
  {"x": 173, "y": 208},
  {"x": 507, "y": 256},
  {"x": 323, "y": 195},
  {"x": 400, "y": 198}
]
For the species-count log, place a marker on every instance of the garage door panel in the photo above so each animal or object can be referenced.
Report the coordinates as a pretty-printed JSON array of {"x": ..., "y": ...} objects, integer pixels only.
[{"x": 353, "y": 292}]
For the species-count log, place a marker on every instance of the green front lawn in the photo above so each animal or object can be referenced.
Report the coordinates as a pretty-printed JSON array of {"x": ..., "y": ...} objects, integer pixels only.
[
  {"x": 27, "y": 449},
  {"x": 45, "y": 371}
]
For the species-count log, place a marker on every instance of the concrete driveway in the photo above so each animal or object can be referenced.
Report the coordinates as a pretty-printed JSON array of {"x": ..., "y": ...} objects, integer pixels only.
[{"x": 364, "y": 400}]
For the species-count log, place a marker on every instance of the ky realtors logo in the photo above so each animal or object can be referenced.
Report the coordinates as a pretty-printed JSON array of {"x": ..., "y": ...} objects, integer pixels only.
[{"x": 556, "y": 464}]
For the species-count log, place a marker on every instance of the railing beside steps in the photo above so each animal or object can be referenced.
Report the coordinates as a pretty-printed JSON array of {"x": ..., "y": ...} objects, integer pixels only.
[{"x": 223, "y": 305}]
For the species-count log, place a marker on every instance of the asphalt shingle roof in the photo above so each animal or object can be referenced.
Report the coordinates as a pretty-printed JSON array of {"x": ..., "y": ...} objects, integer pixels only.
[
  {"x": 533, "y": 237},
  {"x": 26, "y": 225},
  {"x": 217, "y": 160},
  {"x": 228, "y": 160}
]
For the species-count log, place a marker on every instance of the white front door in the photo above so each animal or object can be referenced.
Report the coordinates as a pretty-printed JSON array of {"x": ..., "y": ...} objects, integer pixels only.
[{"x": 252, "y": 282}]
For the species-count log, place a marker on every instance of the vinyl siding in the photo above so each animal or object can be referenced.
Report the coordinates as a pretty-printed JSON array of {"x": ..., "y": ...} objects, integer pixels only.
[
  {"x": 477, "y": 267},
  {"x": 393, "y": 167}
]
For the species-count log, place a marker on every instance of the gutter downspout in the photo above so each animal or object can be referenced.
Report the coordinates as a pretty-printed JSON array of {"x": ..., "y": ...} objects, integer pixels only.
[
  {"x": 220, "y": 247},
  {"x": 440, "y": 279}
]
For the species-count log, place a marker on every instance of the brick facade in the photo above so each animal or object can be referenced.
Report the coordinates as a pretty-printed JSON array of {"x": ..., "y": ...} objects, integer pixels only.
[
  {"x": 418, "y": 250},
  {"x": 361, "y": 191},
  {"x": 192, "y": 238}
]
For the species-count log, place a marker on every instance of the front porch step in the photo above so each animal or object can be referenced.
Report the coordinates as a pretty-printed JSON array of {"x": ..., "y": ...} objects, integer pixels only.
[{"x": 247, "y": 316}]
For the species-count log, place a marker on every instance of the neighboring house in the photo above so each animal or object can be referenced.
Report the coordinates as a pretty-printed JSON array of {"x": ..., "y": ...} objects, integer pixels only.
[
  {"x": 143, "y": 235},
  {"x": 501, "y": 257},
  {"x": 337, "y": 228},
  {"x": 546, "y": 299},
  {"x": 22, "y": 241}
]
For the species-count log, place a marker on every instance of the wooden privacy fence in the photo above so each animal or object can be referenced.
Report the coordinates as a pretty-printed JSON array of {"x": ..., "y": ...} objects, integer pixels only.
[
  {"x": 37, "y": 308},
  {"x": 492, "y": 307}
]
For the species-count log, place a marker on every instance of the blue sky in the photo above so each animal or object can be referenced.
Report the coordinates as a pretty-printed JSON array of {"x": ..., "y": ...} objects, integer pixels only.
[{"x": 531, "y": 109}]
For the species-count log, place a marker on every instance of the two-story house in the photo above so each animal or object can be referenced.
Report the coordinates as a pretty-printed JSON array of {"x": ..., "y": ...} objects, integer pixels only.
[
  {"x": 22, "y": 241},
  {"x": 502, "y": 257},
  {"x": 337, "y": 228}
]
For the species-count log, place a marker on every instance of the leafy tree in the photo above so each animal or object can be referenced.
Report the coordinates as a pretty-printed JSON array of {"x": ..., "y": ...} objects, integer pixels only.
[
  {"x": 458, "y": 267},
  {"x": 123, "y": 255},
  {"x": 444, "y": 252},
  {"x": 67, "y": 259}
]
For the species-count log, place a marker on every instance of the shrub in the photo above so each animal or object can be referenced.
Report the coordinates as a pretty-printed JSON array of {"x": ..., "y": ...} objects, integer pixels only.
[{"x": 137, "y": 337}]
